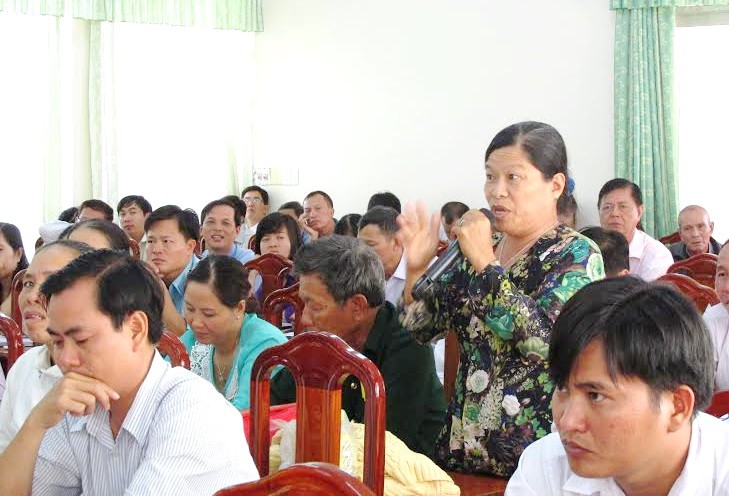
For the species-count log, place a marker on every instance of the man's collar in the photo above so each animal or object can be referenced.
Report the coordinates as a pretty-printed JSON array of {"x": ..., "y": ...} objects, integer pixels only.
[
  {"x": 377, "y": 333},
  {"x": 181, "y": 279},
  {"x": 402, "y": 267},
  {"x": 637, "y": 246}
]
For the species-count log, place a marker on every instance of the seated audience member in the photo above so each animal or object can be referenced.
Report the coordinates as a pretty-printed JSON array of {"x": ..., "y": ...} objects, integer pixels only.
[
  {"x": 378, "y": 229},
  {"x": 695, "y": 229},
  {"x": 567, "y": 210},
  {"x": 256, "y": 201},
  {"x": 69, "y": 215},
  {"x": 224, "y": 335},
  {"x": 717, "y": 320},
  {"x": 12, "y": 261},
  {"x": 121, "y": 420},
  {"x": 614, "y": 249},
  {"x": 98, "y": 234},
  {"x": 348, "y": 225},
  {"x": 342, "y": 285},
  {"x": 133, "y": 210},
  {"x": 34, "y": 373},
  {"x": 293, "y": 209},
  {"x": 385, "y": 199},
  {"x": 450, "y": 213},
  {"x": 318, "y": 217},
  {"x": 276, "y": 233},
  {"x": 220, "y": 226},
  {"x": 171, "y": 239},
  {"x": 95, "y": 209},
  {"x": 620, "y": 204},
  {"x": 632, "y": 362}
]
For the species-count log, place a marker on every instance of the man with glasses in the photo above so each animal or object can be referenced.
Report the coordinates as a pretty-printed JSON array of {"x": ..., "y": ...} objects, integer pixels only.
[{"x": 256, "y": 200}]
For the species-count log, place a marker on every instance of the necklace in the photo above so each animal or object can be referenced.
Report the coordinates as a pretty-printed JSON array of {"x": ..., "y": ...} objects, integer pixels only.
[
  {"x": 519, "y": 253},
  {"x": 221, "y": 372}
]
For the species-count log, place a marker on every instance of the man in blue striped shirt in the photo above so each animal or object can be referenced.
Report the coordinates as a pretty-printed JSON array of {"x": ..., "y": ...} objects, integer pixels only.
[{"x": 121, "y": 421}]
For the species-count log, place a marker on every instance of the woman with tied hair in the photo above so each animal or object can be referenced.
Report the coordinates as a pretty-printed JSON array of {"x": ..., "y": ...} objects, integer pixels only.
[
  {"x": 224, "y": 335},
  {"x": 12, "y": 261},
  {"x": 501, "y": 300}
]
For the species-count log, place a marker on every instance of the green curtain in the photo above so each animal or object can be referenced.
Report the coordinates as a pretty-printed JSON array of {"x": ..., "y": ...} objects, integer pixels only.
[
  {"x": 44, "y": 7},
  {"x": 242, "y": 15},
  {"x": 645, "y": 124},
  {"x": 644, "y": 4}
]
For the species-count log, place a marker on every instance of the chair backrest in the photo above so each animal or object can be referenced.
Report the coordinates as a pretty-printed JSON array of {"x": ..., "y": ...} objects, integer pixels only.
[
  {"x": 134, "y": 248},
  {"x": 702, "y": 296},
  {"x": 251, "y": 242},
  {"x": 38, "y": 243},
  {"x": 11, "y": 331},
  {"x": 302, "y": 479},
  {"x": 170, "y": 345},
  {"x": 269, "y": 266},
  {"x": 674, "y": 237},
  {"x": 701, "y": 268},
  {"x": 17, "y": 287},
  {"x": 276, "y": 302},
  {"x": 319, "y": 363},
  {"x": 719, "y": 404}
]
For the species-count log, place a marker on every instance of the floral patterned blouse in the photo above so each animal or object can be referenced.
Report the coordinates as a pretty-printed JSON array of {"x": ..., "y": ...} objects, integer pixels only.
[{"x": 503, "y": 319}]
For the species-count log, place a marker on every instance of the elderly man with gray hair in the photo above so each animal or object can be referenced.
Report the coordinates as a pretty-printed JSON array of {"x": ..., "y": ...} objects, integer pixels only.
[{"x": 342, "y": 284}]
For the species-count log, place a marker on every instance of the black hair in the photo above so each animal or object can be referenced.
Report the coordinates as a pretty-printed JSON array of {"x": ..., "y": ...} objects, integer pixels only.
[
  {"x": 228, "y": 278},
  {"x": 187, "y": 220},
  {"x": 99, "y": 206},
  {"x": 649, "y": 331},
  {"x": 383, "y": 217},
  {"x": 78, "y": 247},
  {"x": 123, "y": 285},
  {"x": 263, "y": 192},
  {"x": 293, "y": 205},
  {"x": 453, "y": 210},
  {"x": 567, "y": 205},
  {"x": 385, "y": 199},
  {"x": 620, "y": 183},
  {"x": 240, "y": 205},
  {"x": 348, "y": 225},
  {"x": 115, "y": 235},
  {"x": 272, "y": 223},
  {"x": 613, "y": 246},
  {"x": 221, "y": 203},
  {"x": 69, "y": 215},
  {"x": 327, "y": 198},
  {"x": 541, "y": 142},
  {"x": 140, "y": 201},
  {"x": 11, "y": 233}
]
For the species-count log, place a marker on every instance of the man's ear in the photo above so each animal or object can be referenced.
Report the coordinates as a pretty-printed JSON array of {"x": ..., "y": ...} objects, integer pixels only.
[
  {"x": 138, "y": 325},
  {"x": 358, "y": 305},
  {"x": 682, "y": 402},
  {"x": 191, "y": 244},
  {"x": 640, "y": 212}
]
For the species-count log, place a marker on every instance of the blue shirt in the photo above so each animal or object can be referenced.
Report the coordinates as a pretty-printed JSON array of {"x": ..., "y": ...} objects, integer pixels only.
[
  {"x": 255, "y": 336},
  {"x": 177, "y": 288},
  {"x": 239, "y": 252}
]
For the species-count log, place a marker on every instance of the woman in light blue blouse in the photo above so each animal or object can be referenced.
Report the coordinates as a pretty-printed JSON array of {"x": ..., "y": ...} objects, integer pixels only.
[{"x": 224, "y": 337}]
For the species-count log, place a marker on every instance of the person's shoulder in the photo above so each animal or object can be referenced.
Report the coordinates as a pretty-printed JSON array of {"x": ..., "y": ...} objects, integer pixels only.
[
  {"x": 179, "y": 389},
  {"x": 30, "y": 362},
  {"x": 542, "y": 466},
  {"x": 716, "y": 313},
  {"x": 677, "y": 250},
  {"x": 263, "y": 329},
  {"x": 655, "y": 246}
]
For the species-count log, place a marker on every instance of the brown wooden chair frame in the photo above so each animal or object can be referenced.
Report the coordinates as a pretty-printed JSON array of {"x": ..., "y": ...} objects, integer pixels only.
[
  {"x": 719, "y": 404},
  {"x": 16, "y": 288},
  {"x": 9, "y": 328},
  {"x": 134, "y": 248},
  {"x": 701, "y": 268},
  {"x": 269, "y": 266},
  {"x": 275, "y": 303},
  {"x": 702, "y": 296},
  {"x": 674, "y": 237},
  {"x": 171, "y": 346}
]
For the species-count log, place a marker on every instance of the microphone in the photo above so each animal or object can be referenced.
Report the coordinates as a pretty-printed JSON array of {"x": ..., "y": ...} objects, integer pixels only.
[{"x": 424, "y": 287}]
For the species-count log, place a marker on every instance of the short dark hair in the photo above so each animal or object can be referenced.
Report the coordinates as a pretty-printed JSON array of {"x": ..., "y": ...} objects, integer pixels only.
[
  {"x": 346, "y": 266},
  {"x": 78, "y": 247},
  {"x": 69, "y": 215},
  {"x": 99, "y": 206},
  {"x": 263, "y": 192},
  {"x": 385, "y": 199},
  {"x": 383, "y": 217},
  {"x": 220, "y": 203},
  {"x": 293, "y": 205},
  {"x": 541, "y": 142},
  {"x": 648, "y": 330},
  {"x": 115, "y": 235},
  {"x": 620, "y": 183},
  {"x": 272, "y": 223},
  {"x": 11, "y": 233},
  {"x": 613, "y": 246},
  {"x": 327, "y": 198},
  {"x": 228, "y": 278},
  {"x": 240, "y": 205},
  {"x": 187, "y": 221},
  {"x": 453, "y": 210},
  {"x": 140, "y": 201},
  {"x": 124, "y": 285},
  {"x": 348, "y": 225}
]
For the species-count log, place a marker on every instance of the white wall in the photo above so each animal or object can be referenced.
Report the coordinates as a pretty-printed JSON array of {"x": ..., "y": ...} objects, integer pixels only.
[{"x": 405, "y": 95}]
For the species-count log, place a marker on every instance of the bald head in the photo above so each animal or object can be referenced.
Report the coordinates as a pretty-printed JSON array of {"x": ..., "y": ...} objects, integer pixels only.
[{"x": 695, "y": 229}]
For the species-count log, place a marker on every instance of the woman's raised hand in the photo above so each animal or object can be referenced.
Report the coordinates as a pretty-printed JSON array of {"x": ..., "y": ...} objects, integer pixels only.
[{"x": 419, "y": 235}]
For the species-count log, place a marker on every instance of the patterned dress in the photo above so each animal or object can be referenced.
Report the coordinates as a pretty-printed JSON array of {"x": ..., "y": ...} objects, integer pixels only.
[{"x": 503, "y": 319}]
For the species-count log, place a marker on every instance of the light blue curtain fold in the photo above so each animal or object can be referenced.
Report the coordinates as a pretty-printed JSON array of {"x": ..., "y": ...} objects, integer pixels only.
[
  {"x": 644, "y": 4},
  {"x": 42, "y": 7}
]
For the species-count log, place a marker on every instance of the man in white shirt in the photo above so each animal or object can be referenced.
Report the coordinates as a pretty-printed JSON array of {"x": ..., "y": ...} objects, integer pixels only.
[
  {"x": 620, "y": 204},
  {"x": 121, "y": 421},
  {"x": 378, "y": 228},
  {"x": 256, "y": 200},
  {"x": 717, "y": 320},
  {"x": 133, "y": 210},
  {"x": 632, "y": 366}
]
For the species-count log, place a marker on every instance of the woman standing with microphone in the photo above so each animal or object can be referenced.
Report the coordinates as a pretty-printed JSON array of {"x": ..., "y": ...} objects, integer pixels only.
[{"x": 501, "y": 300}]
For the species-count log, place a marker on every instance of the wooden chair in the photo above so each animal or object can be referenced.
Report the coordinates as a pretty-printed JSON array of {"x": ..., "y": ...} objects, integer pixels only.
[
  {"x": 269, "y": 266},
  {"x": 701, "y": 268},
  {"x": 251, "y": 242},
  {"x": 134, "y": 248},
  {"x": 479, "y": 485},
  {"x": 38, "y": 243},
  {"x": 304, "y": 479},
  {"x": 275, "y": 303},
  {"x": 319, "y": 363},
  {"x": 719, "y": 404},
  {"x": 170, "y": 345},
  {"x": 674, "y": 237},
  {"x": 17, "y": 287},
  {"x": 702, "y": 296},
  {"x": 11, "y": 331}
]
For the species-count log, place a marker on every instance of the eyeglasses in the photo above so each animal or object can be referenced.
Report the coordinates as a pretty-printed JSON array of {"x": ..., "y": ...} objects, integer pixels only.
[{"x": 250, "y": 201}]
